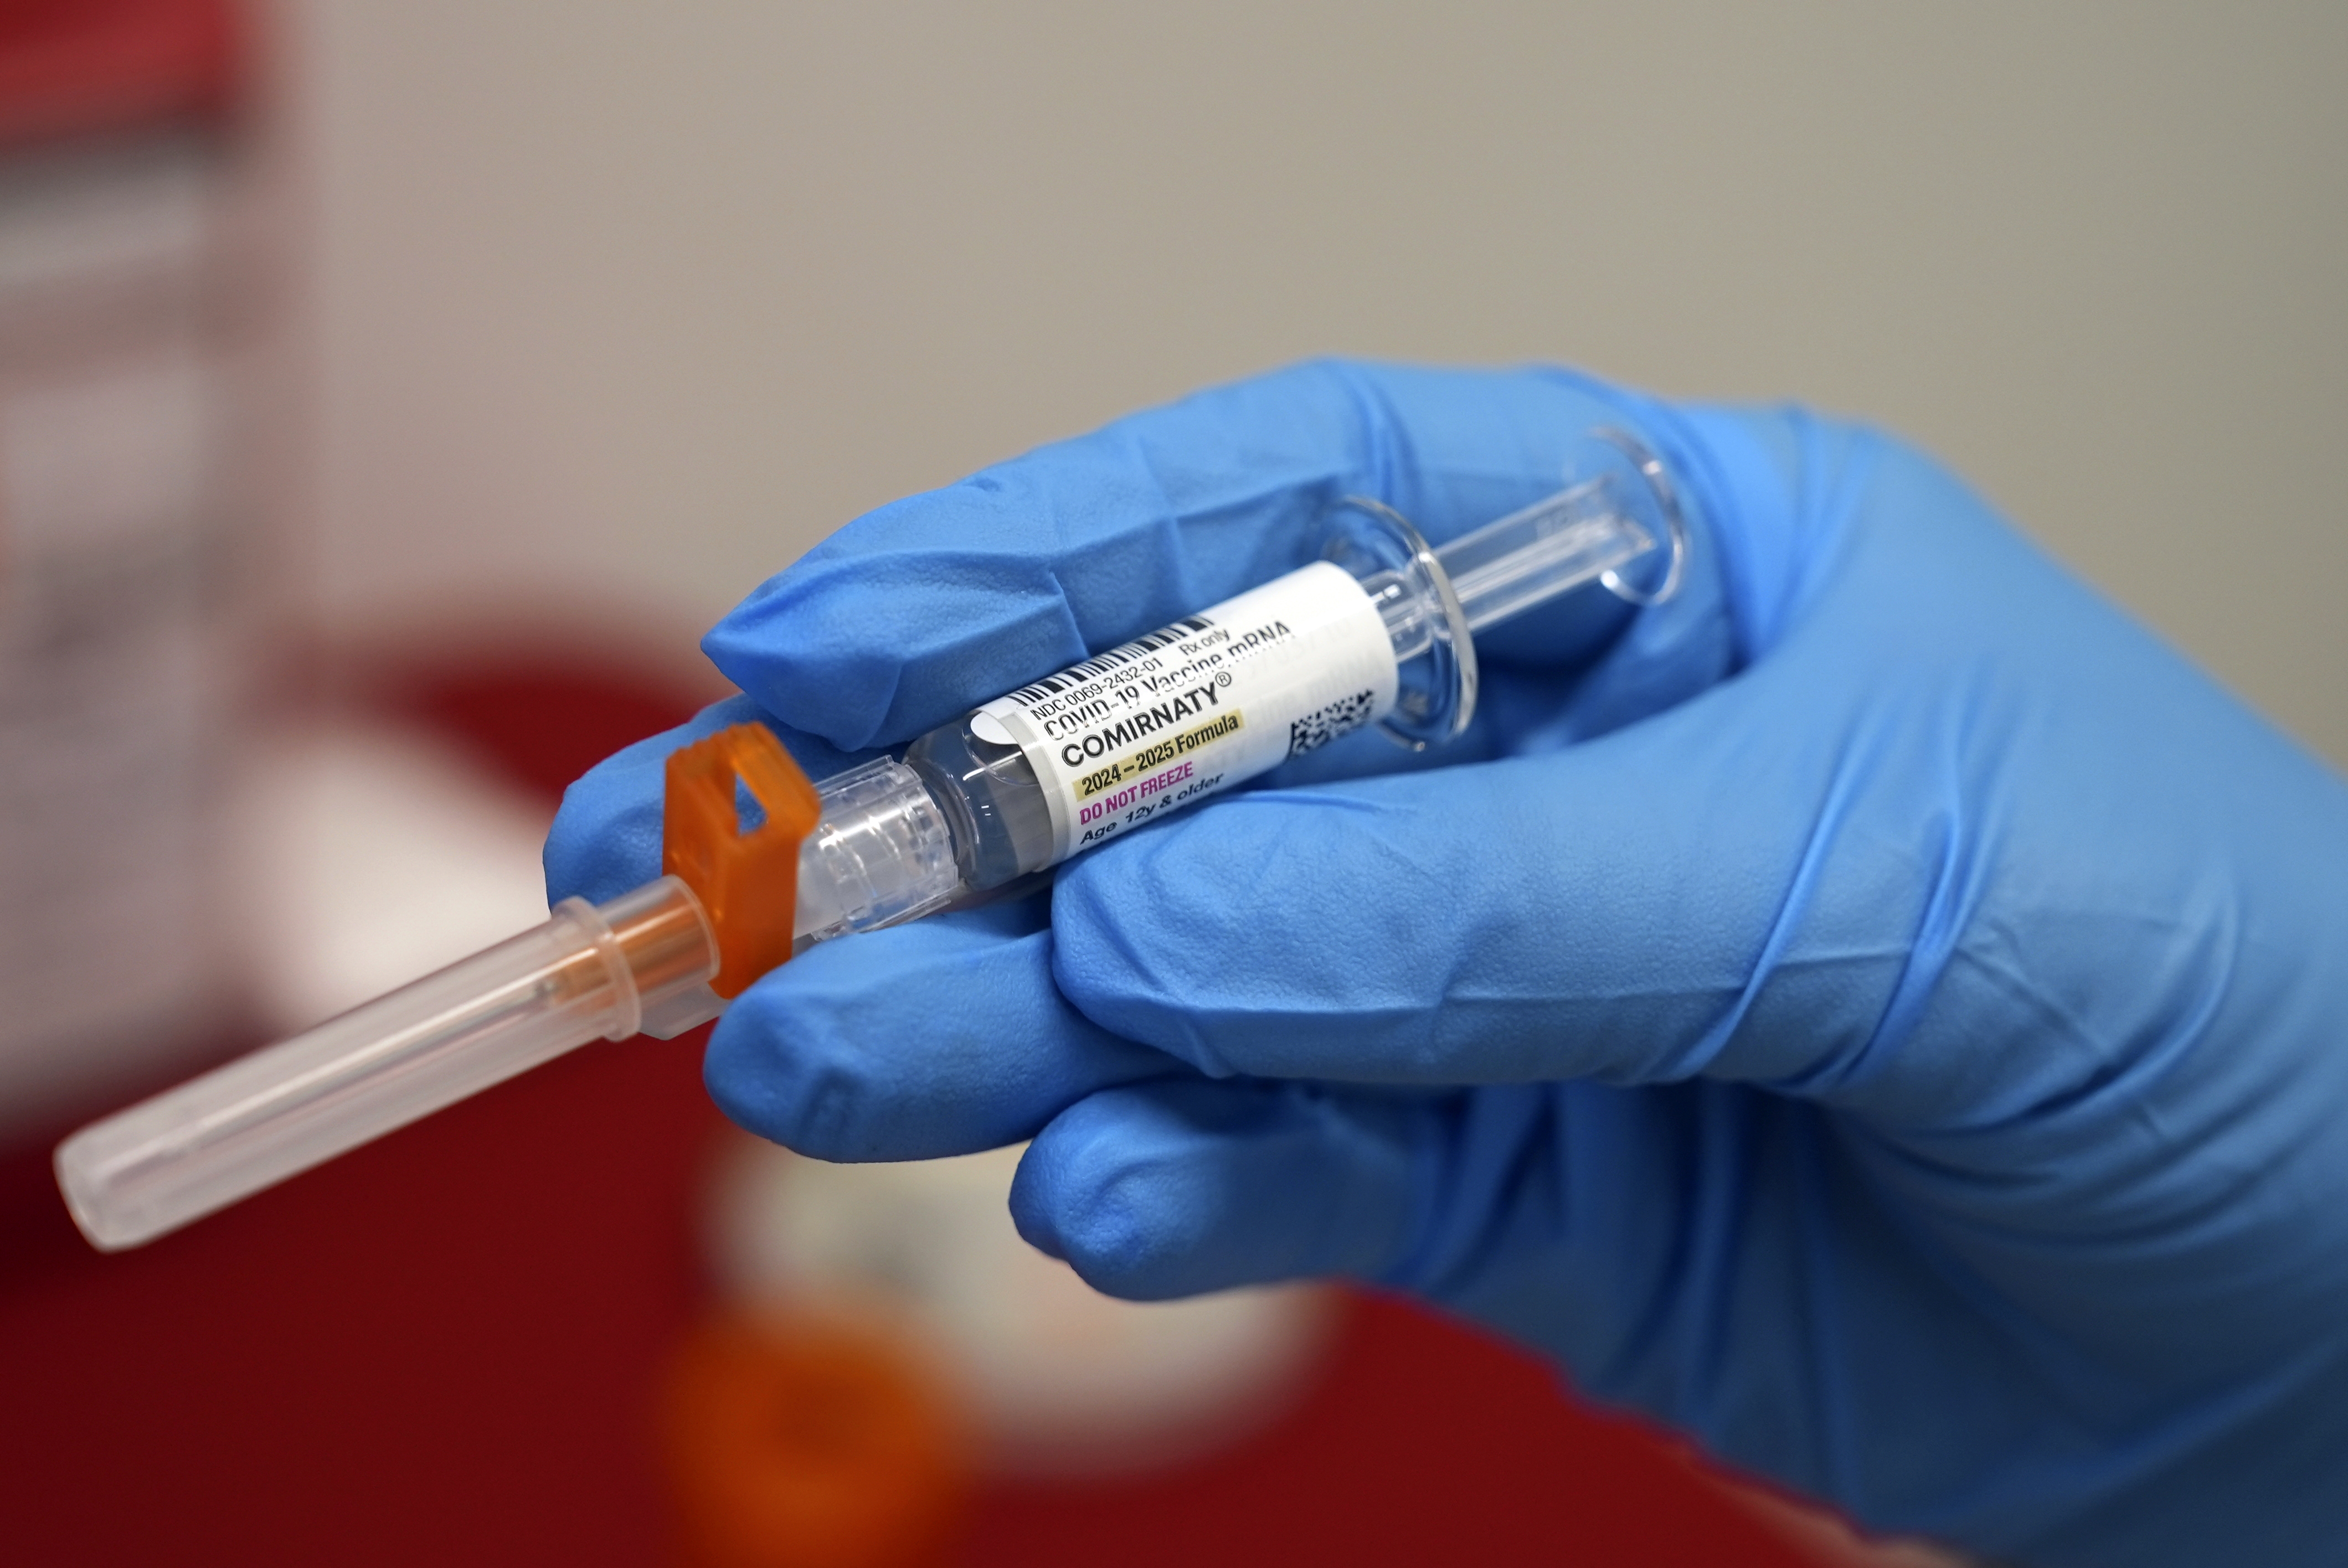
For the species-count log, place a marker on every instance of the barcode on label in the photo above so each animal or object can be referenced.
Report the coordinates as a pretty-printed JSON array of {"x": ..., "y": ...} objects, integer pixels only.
[
  {"x": 1318, "y": 729},
  {"x": 1102, "y": 664}
]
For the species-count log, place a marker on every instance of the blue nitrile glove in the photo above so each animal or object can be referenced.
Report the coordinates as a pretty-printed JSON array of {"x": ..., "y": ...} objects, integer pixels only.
[{"x": 1880, "y": 1011}]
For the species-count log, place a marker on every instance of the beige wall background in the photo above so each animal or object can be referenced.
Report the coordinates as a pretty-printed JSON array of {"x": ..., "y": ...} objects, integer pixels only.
[{"x": 610, "y": 309}]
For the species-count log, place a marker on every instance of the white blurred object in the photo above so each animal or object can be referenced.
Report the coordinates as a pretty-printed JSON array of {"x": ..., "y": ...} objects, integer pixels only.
[
  {"x": 375, "y": 855},
  {"x": 1060, "y": 1378}
]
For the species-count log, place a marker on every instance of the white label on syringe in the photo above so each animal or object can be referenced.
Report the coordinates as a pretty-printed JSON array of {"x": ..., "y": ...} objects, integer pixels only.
[{"x": 1200, "y": 705}]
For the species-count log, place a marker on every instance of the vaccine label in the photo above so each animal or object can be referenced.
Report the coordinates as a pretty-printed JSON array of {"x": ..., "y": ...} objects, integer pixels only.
[{"x": 1200, "y": 705}]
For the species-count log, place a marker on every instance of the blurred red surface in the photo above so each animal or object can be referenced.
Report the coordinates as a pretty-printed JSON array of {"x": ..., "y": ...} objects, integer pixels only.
[{"x": 444, "y": 1348}]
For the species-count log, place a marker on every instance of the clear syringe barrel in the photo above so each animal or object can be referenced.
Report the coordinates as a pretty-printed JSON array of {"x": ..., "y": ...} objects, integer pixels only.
[
  {"x": 1380, "y": 630},
  {"x": 588, "y": 973}
]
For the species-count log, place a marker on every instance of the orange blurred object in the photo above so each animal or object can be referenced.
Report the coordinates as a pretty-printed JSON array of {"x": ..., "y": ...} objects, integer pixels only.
[
  {"x": 806, "y": 1442},
  {"x": 747, "y": 879}
]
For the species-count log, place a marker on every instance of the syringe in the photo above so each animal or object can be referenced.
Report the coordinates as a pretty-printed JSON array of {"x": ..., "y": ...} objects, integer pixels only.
[{"x": 1381, "y": 630}]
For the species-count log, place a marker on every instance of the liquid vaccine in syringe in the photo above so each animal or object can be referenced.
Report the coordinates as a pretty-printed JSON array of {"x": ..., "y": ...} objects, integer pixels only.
[{"x": 1379, "y": 632}]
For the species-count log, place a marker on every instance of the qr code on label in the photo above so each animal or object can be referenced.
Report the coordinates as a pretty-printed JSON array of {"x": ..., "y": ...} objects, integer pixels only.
[{"x": 1318, "y": 729}]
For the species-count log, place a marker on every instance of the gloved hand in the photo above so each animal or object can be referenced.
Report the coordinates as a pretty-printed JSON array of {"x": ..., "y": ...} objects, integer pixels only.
[{"x": 1880, "y": 1011}]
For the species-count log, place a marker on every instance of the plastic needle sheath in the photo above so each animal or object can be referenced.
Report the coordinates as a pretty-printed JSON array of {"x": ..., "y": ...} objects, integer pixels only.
[{"x": 586, "y": 974}]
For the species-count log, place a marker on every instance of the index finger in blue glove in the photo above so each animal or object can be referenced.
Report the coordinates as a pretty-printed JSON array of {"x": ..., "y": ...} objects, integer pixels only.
[
  {"x": 928, "y": 607},
  {"x": 943, "y": 1037}
]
